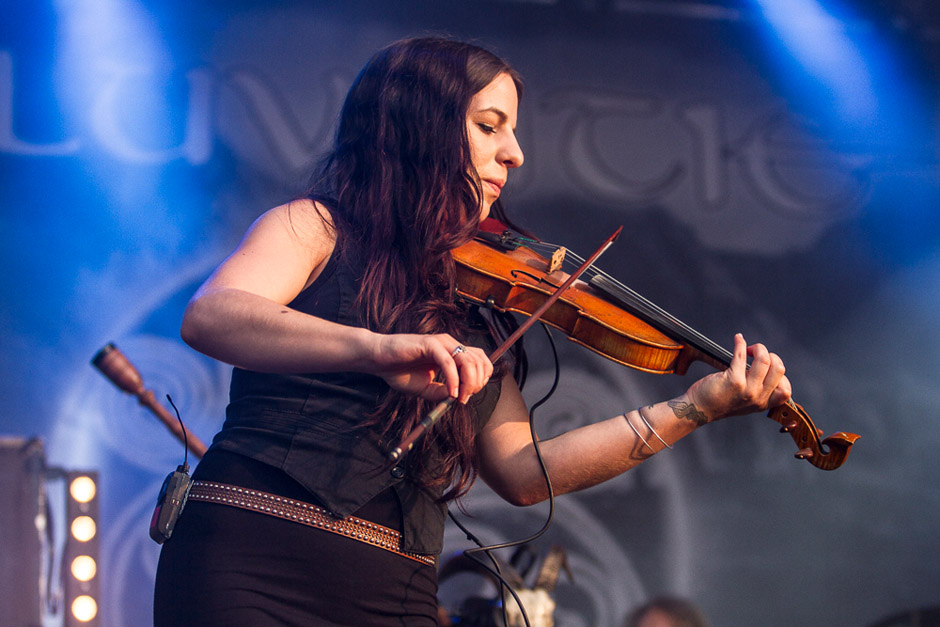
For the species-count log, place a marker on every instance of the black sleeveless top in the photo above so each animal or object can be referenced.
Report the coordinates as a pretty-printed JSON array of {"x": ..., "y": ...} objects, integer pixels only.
[{"x": 308, "y": 425}]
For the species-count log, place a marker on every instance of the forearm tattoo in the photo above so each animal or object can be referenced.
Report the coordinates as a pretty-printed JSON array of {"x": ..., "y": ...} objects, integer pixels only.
[{"x": 689, "y": 411}]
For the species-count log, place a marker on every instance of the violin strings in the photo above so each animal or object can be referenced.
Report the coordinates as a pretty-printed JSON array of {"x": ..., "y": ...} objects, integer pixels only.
[{"x": 644, "y": 305}]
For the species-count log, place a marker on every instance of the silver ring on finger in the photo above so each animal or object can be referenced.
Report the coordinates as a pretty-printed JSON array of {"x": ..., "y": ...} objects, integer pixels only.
[{"x": 460, "y": 349}]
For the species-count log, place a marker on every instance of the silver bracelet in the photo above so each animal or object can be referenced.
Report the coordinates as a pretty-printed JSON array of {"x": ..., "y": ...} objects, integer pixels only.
[
  {"x": 646, "y": 422},
  {"x": 638, "y": 433}
]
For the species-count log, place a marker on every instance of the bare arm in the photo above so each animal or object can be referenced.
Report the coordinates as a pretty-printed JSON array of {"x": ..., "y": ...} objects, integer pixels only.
[
  {"x": 240, "y": 316},
  {"x": 589, "y": 455}
]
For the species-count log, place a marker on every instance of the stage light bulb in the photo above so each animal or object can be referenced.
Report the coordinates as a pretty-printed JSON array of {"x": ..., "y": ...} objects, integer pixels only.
[
  {"x": 84, "y": 568},
  {"x": 84, "y": 528},
  {"x": 83, "y": 489},
  {"x": 84, "y": 608}
]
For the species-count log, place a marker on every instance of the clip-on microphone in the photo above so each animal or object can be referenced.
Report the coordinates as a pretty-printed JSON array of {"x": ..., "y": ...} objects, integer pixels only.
[{"x": 173, "y": 494}]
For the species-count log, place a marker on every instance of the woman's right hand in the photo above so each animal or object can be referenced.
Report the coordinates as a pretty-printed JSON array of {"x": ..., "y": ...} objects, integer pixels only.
[{"x": 431, "y": 366}]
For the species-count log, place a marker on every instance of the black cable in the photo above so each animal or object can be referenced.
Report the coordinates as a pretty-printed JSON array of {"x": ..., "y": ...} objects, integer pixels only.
[
  {"x": 472, "y": 553},
  {"x": 496, "y": 570},
  {"x": 185, "y": 439}
]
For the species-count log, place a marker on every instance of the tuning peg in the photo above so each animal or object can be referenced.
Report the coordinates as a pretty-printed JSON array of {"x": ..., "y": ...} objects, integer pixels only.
[
  {"x": 788, "y": 427},
  {"x": 804, "y": 453}
]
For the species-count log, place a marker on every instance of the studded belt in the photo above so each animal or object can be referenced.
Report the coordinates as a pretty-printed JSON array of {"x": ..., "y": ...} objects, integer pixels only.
[{"x": 305, "y": 514}]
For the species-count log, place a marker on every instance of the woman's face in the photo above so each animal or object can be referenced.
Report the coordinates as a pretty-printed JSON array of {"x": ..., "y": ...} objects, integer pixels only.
[{"x": 491, "y": 128}]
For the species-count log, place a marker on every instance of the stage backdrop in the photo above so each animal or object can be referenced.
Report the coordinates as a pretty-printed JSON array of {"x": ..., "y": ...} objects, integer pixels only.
[{"x": 775, "y": 175}]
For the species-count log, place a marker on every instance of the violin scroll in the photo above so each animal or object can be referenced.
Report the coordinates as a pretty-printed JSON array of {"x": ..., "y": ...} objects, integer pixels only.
[{"x": 826, "y": 454}]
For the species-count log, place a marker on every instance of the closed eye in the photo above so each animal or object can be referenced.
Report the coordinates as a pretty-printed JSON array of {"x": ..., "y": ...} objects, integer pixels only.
[{"x": 486, "y": 128}]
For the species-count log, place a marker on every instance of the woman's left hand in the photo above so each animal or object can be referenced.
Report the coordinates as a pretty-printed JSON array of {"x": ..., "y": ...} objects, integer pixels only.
[{"x": 741, "y": 389}]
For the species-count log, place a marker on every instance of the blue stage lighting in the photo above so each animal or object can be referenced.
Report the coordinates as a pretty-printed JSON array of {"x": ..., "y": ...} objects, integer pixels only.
[{"x": 819, "y": 40}]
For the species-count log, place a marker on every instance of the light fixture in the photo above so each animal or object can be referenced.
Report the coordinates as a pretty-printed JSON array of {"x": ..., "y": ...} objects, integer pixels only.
[{"x": 82, "y": 590}]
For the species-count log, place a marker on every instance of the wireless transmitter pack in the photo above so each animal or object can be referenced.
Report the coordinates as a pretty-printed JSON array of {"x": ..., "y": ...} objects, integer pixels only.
[{"x": 173, "y": 495}]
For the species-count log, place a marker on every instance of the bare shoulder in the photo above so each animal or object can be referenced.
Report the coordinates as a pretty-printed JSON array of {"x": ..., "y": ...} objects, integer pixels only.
[
  {"x": 282, "y": 252},
  {"x": 306, "y": 222}
]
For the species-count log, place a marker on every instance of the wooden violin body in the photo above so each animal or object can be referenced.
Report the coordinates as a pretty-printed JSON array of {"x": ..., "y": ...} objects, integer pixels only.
[
  {"x": 611, "y": 320},
  {"x": 518, "y": 281}
]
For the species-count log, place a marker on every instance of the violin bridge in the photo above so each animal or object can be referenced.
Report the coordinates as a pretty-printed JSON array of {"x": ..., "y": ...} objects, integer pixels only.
[{"x": 558, "y": 257}]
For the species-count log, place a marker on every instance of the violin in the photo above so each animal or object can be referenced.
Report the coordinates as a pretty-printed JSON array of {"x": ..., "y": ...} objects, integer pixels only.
[{"x": 506, "y": 272}]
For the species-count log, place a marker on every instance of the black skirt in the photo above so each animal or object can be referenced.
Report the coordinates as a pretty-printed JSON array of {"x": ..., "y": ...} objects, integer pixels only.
[{"x": 230, "y": 567}]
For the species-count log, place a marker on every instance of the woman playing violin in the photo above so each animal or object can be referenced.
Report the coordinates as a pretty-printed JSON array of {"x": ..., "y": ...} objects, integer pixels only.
[{"x": 339, "y": 315}]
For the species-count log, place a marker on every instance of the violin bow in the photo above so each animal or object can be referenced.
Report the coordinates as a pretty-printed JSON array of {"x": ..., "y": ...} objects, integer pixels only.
[{"x": 435, "y": 414}]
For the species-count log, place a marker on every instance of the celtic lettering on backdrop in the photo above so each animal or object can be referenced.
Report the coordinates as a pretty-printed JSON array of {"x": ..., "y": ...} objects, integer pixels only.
[{"x": 605, "y": 140}]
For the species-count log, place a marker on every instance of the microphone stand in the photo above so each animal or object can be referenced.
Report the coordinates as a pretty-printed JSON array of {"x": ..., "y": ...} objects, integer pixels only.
[{"x": 121, "y": 372}]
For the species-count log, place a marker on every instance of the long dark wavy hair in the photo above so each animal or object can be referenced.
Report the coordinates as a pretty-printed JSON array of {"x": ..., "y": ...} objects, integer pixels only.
[{"x": 402, "y": 193}]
